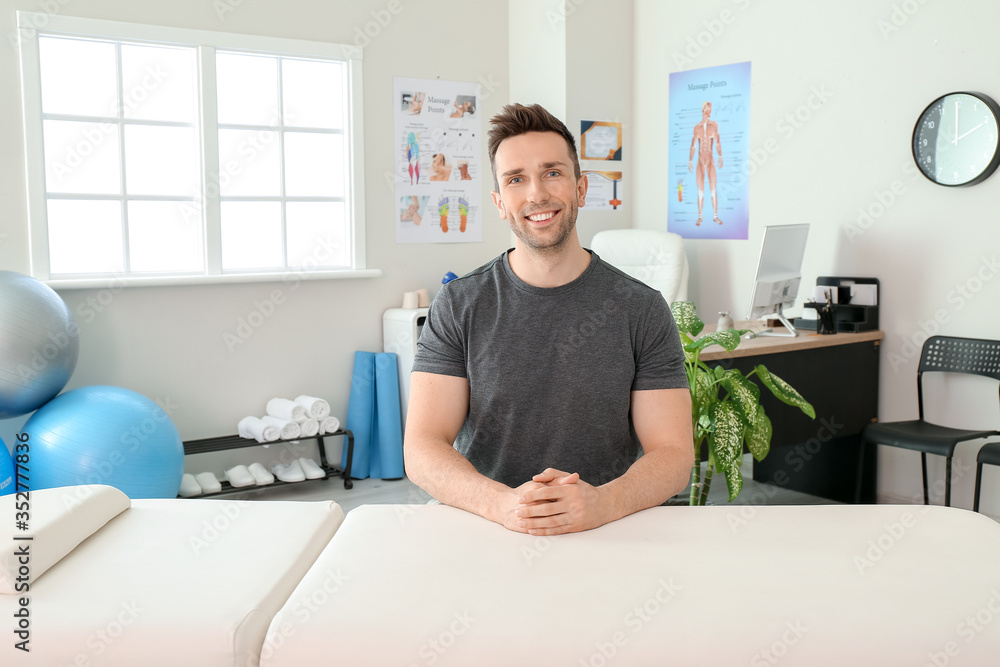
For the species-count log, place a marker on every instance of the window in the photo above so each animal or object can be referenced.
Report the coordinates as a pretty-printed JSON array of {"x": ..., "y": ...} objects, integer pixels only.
[{"x": 159, "y": 155}]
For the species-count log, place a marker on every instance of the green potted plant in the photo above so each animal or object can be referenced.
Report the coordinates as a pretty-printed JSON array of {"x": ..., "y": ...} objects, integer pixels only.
[{"x": 725, "y": 405}]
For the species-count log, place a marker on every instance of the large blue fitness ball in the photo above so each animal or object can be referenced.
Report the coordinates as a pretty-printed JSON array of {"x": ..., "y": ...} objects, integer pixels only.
[
  {"x": 7, "y": 478},
  {"x": 105, "y": 435},
  {"x": 39, "y": 344}
]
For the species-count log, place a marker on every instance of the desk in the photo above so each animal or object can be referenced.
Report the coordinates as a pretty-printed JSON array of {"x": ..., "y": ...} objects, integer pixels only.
[
  {"x": 838, "y": 374},
  {"x": 793, "y": 586}
]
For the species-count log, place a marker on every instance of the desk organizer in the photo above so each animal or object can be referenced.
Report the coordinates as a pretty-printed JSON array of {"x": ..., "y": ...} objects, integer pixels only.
[{"x": 847, "y": 317}]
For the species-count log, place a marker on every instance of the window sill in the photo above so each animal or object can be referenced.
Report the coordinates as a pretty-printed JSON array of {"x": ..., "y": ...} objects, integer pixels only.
[{"x": 118, "y": 282}]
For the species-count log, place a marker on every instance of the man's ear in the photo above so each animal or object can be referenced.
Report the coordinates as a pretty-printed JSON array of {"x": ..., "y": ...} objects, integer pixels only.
[
  {"x": 499, "y": 204},
  {"x": 581, "y": 190}
]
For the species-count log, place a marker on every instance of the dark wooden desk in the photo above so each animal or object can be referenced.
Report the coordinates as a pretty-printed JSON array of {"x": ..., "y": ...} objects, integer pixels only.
[{"x": 839, "y": 375}]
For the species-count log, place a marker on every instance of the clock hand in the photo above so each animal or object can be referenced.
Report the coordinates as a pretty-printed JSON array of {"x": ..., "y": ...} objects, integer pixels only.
[
  {"x": 970, "y": 131},
  {"x": 955, "y": 140}
]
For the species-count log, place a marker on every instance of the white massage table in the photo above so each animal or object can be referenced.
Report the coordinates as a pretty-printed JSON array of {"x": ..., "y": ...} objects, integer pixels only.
[
  {"x": 192, "y": 583},
  {"x": 818, "y": 585}
]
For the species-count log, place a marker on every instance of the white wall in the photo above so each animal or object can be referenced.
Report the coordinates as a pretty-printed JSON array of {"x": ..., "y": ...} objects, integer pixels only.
[
  {"x": 167, "y": 342},
  {"x": 868, "y": 69}
]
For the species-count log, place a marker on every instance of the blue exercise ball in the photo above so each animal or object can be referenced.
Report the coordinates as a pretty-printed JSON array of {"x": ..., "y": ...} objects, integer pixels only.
[
  {"x": 7, "y": 479},
  {"x": 105, "y": 435},
  {"x": 39, "y": 344}
]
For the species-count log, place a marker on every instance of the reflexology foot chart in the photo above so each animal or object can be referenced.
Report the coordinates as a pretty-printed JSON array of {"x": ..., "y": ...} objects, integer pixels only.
[{"x": 439, "y": 153}]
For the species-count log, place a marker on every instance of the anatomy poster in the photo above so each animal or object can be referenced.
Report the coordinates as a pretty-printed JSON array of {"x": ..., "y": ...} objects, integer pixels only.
[
  {"x": 709, "y": 153},
  {"x": 438, "y": 145}
]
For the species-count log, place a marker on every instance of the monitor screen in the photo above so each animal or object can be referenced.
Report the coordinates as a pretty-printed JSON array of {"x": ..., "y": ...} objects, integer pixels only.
[{"x": 779, "y": 270}]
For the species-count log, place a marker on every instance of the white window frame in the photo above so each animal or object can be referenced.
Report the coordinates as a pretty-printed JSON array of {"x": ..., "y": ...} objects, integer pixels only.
[{"x": 206, "y": 42}]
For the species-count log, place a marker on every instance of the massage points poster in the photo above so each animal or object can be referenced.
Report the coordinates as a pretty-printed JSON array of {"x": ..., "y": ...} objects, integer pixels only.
[
  {"x": 708, "y": 187},
  {"x": 438, "y": 165}
]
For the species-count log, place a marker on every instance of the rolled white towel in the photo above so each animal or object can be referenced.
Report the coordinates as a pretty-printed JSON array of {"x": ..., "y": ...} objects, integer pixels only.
[
  {"x": 254, "y": 428},
  {"x": 310, "y": 427},
  {"x": 286, "y": 409},
  {"x": 316, "y": 408},
  {"x": 329, "y": 425},
  {"x": 289, "y": 429}
]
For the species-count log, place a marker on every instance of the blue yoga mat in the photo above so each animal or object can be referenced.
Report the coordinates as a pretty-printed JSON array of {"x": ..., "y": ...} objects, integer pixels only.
[{"x": 373, "y": 416}]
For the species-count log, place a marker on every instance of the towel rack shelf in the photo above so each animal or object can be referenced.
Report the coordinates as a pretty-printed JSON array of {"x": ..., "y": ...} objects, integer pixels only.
[{"x": 236, "y": 442}]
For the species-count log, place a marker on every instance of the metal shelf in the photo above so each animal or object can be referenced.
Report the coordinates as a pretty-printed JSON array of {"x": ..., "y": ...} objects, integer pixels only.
[{"x": 236, "y": 442}]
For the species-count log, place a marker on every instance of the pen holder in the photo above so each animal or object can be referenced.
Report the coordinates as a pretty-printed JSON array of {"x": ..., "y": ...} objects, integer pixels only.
[{"x": 825, "y": 324}]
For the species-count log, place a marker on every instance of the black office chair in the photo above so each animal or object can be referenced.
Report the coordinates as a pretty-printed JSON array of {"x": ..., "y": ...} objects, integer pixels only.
[
  {"x": 990, "y": 454},
  {"x": 943, "y": 354}
]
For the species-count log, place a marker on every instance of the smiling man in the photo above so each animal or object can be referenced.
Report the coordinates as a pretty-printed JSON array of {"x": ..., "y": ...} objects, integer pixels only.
[{"x": 541, "y": 375}]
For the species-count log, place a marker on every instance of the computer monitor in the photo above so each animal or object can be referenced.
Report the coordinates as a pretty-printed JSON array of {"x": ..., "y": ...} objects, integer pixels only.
[{"x": 779, "y": 272}]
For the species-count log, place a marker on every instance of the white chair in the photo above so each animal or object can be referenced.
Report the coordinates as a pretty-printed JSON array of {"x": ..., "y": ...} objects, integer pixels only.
[{"x": 656, "y": 258}]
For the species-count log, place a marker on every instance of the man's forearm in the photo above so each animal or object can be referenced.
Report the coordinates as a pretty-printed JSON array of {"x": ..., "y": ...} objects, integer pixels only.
[
  {"x": 444, "y": 473},
  {"x": 652, "y": 480}
]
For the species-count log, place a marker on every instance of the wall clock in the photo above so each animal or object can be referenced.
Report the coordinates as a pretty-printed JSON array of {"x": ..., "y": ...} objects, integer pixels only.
[{"x": 956, "y": 140}]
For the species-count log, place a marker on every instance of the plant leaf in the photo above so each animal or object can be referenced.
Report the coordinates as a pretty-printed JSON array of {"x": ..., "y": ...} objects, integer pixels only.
[
  {"x": 686, "y": 317},
  {"x": 758, "y": 436},
  {"x": 734, "y": 481},
  {"x": 784, "y": 392},
  {"x": 726, "y": 439},
  {"x": 744, "y": 393},
  {"x": 729, "y": 339}
]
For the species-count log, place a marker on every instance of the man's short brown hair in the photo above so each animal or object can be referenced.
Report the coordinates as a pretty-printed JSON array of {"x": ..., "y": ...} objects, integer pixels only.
[{"x": 515, "y": 119}]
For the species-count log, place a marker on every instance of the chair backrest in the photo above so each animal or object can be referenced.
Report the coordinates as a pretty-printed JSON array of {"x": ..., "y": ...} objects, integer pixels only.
[
  {"x": 654, "y": 257},
  {"x": 948, "y": 354}
]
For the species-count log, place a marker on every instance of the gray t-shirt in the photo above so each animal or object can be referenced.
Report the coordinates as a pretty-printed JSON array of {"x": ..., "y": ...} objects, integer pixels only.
[{"x": 550, "y": 370}]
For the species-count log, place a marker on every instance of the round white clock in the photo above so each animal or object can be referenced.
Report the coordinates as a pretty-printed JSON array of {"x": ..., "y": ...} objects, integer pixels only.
[{"x": 956, "y": 140}]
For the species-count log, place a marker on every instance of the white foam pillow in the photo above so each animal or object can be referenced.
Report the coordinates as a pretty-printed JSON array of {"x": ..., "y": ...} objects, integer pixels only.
[{"x": 58, "y": 520}]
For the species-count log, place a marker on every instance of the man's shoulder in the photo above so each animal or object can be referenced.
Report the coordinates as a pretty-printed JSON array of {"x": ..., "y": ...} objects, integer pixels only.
[
  {"x": 619, "y": 280},
  {"x": 467, "y": 286}
]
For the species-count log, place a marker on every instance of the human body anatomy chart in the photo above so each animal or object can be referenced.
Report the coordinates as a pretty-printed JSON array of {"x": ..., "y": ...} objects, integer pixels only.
[
  {"x": 709, "y": 150},
  {"x": 438, "y": 130}
]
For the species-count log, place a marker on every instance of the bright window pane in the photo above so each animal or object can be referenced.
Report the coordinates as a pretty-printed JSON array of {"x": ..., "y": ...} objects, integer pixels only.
[
  {"x": 312, "y": 93},
  {"x": 158, "y": 83},
  {"x": 251, "y": 235},
  {"x": 163, "y": 236},
  {"x": 161, "y": 161},
  {"x": 79, "y": 77},
  {"x": 81, "y": 158},
  {"x": 314, "y": 165},
  {"x": 248, "y": 89},
  {"x": 249, "y": 163},
  {"x": 85, "y": 236},
  {"x": 317, "y": 234}
]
